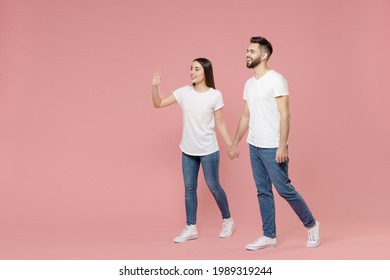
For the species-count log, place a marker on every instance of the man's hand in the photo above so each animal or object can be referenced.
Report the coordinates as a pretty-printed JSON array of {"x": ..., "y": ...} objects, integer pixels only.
[
  {"x": 233, "y": 152},
  {"x": 281, "y": 155}
]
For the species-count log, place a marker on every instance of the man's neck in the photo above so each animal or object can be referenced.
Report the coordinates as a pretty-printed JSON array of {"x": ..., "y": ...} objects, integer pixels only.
[{"x": 260, "y": 70}]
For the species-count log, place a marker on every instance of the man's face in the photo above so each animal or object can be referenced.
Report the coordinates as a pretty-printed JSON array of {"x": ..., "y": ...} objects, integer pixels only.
[{"x": 253, "y": 55}]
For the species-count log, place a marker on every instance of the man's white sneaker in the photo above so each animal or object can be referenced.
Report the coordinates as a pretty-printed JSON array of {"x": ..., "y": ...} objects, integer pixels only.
[
  {"x": 190, "y": 232},
  {"x": 227, "y": 228},
  {"x": 314, "y": 236},
  {"x": 261, "y": 242}
]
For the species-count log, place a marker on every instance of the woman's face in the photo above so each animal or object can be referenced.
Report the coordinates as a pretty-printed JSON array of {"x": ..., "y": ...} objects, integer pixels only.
[{"x": 197, "y": 73}]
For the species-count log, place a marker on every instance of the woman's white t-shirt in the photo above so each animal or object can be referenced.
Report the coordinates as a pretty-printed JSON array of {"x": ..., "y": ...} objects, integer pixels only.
[{"x": 198, "y": 138}]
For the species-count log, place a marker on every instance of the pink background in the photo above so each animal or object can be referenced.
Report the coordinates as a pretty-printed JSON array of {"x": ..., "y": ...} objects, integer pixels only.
[{"x": 90, "y": 170}]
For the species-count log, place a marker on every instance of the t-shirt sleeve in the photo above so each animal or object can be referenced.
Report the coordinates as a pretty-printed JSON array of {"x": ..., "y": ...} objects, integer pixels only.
[
  {"x": 219, "y": 101},
  {"x": 280, "y": 87},
  {"x": 178, "y": 93},
  {"x": 245, "y": 94}
]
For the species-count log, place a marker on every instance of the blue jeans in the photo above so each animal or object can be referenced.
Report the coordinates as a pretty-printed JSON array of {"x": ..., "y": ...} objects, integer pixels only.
[
  {"x": 210, "y": 166},
  {"x": 266, "y": 171}
]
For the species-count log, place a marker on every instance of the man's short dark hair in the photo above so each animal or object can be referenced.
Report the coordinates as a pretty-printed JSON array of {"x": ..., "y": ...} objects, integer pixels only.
[{"x": 263, "y": 43}]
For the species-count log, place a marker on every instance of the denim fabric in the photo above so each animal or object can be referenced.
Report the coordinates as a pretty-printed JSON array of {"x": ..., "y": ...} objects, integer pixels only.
[
  {"x": 210, "y": 166},
  {"x": 266, "y": 171}
]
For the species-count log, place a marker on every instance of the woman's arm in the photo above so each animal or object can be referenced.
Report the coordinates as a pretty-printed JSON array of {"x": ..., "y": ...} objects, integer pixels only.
[
  {"x": 222, "y": 127},
  {"x": 157, "y": 101}
]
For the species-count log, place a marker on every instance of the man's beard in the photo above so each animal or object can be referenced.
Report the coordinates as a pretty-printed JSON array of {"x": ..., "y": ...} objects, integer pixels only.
[{"x": 254, "y": 63}]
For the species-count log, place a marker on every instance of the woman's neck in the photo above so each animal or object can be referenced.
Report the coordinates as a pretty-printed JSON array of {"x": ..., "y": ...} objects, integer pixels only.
[{"x": 201, "y": 88}]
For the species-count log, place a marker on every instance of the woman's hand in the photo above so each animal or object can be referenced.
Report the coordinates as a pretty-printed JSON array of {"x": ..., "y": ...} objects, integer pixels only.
[{"x": 156, "y": 79}]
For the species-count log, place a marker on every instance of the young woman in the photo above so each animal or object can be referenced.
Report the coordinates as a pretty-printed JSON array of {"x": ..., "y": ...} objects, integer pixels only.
[{"x": 201, "y": 105}]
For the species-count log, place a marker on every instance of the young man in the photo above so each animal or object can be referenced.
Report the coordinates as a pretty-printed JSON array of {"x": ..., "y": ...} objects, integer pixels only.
[{"x": 266, "y": 114}]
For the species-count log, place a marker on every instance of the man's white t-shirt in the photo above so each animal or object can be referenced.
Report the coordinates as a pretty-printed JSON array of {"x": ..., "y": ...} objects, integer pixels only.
[
  {"x": 198, "y": 138},
  {"x": 264, "y": 122}
]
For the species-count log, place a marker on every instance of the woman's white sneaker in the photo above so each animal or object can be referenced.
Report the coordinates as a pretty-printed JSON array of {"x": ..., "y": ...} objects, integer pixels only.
[
  {"x": 190, "y": 232},
  {"x": 227, "y": 228},
  {"x": 313, "y": 236}
]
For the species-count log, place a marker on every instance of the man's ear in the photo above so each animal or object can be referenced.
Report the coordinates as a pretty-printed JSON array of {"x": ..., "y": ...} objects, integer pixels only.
[{"x": 264, "y": 56}]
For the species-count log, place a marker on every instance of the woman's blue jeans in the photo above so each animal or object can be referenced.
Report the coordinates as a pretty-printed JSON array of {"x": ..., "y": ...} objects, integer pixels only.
[
  {"x": 266, "y": 171},
  {"x": 210, "y": 167}
]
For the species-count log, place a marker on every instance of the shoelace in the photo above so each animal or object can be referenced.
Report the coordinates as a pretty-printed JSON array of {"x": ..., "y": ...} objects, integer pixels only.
[
  {"x": 225, "y": 226},
  {"x": 258, "y": 240},
  {"x": 185, "y": 230},
  {"x": 312, "y": 235}
]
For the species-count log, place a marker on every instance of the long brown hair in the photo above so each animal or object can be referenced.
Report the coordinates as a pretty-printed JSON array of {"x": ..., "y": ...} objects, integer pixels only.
[{"x": 208, "y": 71}]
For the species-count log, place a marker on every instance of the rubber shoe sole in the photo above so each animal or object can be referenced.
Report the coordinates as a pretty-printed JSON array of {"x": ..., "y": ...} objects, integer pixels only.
[
  {"x": 255, "y": 248},
  {"x": 192, "y": 237}
]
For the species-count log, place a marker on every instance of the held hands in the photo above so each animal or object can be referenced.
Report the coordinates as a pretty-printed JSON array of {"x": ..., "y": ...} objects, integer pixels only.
[
  {"x": 156, "y": 79},
  {"x": 233, "y": 152},
  {"x": 281, "y": 153}
]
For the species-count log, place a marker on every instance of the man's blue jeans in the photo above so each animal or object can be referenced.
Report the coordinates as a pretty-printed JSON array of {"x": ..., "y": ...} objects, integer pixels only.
[
  {"x": 266, "y": 171},
  {"x": 210, "y": 166}
]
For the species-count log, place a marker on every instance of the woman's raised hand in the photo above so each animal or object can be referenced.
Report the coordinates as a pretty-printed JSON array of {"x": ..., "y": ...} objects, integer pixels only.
[{"x": 156, "y": 79}]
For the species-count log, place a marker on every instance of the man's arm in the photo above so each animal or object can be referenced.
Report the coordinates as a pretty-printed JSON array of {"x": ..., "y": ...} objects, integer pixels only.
[
  {"x": 241, "y": 130},
  {"x": 283, "y": 107}
]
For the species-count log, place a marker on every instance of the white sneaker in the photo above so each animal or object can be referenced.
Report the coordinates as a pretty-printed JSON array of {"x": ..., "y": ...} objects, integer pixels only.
[
  {"x": 190, "y": 232},
  {"x": 314, "y": 236},
  {"x": 227, "y": 228},
  {"x": 262, "y": 242}
]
